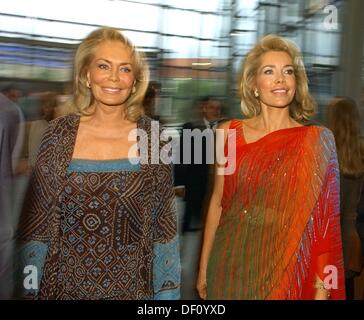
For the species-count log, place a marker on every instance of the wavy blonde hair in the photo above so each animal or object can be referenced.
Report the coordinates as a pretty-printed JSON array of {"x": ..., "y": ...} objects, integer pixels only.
[
  {"x": 344, "y": 122},
  {"x": 82, "y": 96},
  {"x": 303, "y": 105}
]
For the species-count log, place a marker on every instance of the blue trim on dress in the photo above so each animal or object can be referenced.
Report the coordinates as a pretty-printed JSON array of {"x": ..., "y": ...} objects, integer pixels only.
[
  {"x": 167, "y": 270},
  {"x": 83, "y": 165},
  {"x": 32, "y": 256}
]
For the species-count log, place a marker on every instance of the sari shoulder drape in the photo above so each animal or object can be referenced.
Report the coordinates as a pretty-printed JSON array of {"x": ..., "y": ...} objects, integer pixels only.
[{"x": 278, "y": 227}]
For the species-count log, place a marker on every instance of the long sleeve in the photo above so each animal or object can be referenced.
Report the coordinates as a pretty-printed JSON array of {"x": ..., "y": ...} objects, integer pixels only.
[
  {"x": 166, "y": 263},
  {"x": 327, "y": 256},
  {"x": 33, "y": 231},
  {"x": 34, "y": 220},
  {"x": 38, "y": 230}
]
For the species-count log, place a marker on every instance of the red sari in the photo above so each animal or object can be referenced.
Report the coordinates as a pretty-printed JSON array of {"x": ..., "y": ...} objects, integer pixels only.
[{"x": 279, "y": 227}]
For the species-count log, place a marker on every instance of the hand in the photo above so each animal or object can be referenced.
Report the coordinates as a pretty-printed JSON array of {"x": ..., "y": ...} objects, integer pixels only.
[
  {"x": 180, "y": 192},
  {"x": 202, "y": 285},
  {"x": 322, "y": 294}
]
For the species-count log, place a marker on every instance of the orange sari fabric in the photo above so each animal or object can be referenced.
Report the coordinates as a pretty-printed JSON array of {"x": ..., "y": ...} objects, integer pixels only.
[{"x": 280, "y": 226}]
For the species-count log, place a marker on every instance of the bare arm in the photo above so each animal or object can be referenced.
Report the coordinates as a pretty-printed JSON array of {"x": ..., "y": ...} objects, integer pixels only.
[{"x": 212, "y": 221}]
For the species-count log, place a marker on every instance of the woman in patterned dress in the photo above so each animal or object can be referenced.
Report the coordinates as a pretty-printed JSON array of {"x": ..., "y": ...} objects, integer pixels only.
[
  {"x": 273, "y": 228},
  {"x": 99, "y": 220}
]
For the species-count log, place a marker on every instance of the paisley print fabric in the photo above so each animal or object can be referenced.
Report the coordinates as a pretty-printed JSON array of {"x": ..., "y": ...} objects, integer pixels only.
[{"x": 101, "y": 226}]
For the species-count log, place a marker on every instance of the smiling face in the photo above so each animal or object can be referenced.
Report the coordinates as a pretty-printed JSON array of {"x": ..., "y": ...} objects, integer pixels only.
[
  {"x": 275, "y": 79},
  {"x": 111, "y": 74}
]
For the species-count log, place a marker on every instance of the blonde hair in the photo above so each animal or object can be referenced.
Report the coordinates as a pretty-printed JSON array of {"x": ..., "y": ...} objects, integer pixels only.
[
  {"x": 82, "y": 96},
  {"x": 303, "y": 105},
  {"x": 344, "y": 122}
]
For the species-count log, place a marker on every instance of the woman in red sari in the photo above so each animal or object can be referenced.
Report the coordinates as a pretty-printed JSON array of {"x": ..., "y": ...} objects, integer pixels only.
[{"x": 273, "y": 227}]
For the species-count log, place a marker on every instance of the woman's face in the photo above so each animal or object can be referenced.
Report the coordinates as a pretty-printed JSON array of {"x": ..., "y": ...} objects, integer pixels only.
[
  {"x": 275, "y": 80},
  {"x": 111, "y": 74}
]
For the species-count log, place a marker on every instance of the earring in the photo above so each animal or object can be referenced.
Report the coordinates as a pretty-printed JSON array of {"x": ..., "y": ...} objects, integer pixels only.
[
  {"x": 88, "y": 84},
  {"x": 133, "y": 90},
  {"x": 256, "y": 93}
]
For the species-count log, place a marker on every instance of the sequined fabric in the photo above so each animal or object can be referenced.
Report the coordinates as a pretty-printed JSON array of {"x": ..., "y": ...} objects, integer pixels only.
[{"x": 279, "y": 226}]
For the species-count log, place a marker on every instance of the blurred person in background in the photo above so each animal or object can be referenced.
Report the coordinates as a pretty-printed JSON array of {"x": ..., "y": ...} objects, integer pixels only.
[
  {"x": 360, "y": 224},
  {"x": 192, "y": 179},
  {"x": 12, "y": 92},
  {"x": 98, "y": 222},
  {"x": 151, "y": 99},
  {"x": 11, "y": 135},
  {"x": 48, "y": 104},
  {"x": 64, "y": 106},
  {"x": 273, "y": 226},
  {"x": 344, "y": 122}
]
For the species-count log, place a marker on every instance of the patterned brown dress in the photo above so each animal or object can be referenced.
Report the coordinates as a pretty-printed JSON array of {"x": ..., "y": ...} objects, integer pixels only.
[{"x": 99, "y": 229}]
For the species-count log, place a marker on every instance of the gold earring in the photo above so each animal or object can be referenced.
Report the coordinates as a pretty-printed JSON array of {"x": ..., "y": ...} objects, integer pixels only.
[
  {"x": 256, "y": 93},
  {"x": 133, "y": 90}
]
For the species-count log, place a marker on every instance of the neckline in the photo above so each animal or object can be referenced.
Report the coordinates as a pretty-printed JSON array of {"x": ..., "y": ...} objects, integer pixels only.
[
  {"x": 131, "y": 160},
  {"x": 270, "y": 134},
  {"x": 78, "y": 121}
]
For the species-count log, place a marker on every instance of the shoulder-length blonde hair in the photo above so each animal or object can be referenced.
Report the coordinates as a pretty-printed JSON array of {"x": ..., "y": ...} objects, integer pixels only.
[
  {"x": 303, "y": 105},
  {"x": 344, "y": 122},
  {"x": 82, "y": 96}
]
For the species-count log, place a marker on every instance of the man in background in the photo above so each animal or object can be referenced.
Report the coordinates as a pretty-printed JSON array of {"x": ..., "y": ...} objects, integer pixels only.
[
  {"x": 151, "y": 100},
  {"x": 11, "y": 134},
  {"x": 192, "y": 179}
]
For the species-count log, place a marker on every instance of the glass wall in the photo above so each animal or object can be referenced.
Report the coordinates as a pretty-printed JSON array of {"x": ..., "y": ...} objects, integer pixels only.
[{"x": 194, "y": 47}]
